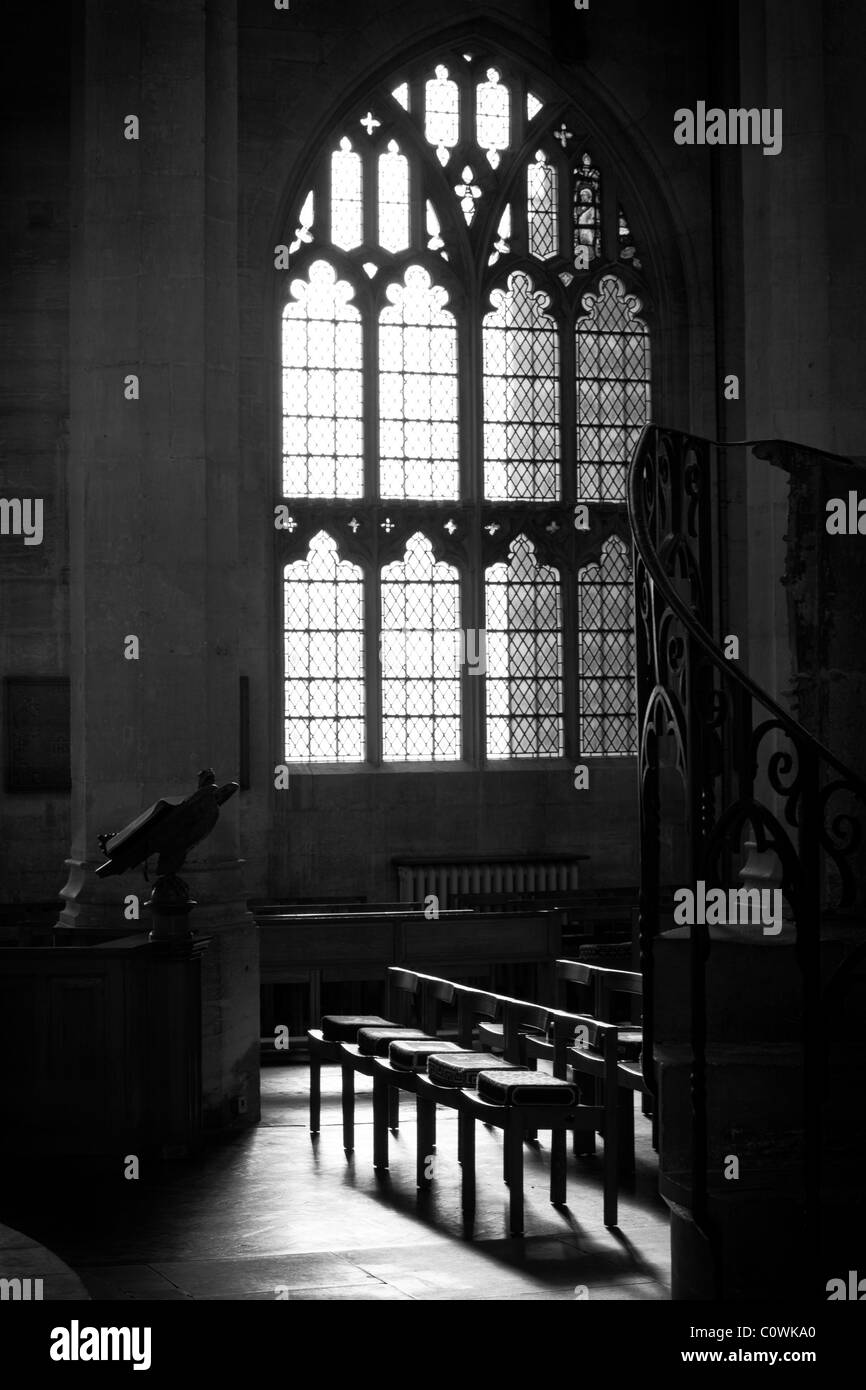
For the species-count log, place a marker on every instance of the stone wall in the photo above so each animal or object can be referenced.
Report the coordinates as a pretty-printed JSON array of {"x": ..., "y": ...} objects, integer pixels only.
[{"x": 296, "y": 69}]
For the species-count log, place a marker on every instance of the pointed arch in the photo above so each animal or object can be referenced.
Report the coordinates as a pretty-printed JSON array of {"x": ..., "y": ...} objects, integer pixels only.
[{"x": 499, "y": 236}]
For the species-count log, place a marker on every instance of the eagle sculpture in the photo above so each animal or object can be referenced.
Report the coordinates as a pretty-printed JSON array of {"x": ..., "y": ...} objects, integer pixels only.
[{"x": 170, "y": 828}]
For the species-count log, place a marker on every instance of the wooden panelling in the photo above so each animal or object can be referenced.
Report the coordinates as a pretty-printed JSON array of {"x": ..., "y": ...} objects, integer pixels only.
[
  {"x": 354, "y": 946},
  {"x": 100, "y": 1048}
]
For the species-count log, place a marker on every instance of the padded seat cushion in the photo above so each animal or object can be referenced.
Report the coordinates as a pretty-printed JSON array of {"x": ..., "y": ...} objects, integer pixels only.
[
  {"x": 525, "y": 1088},
  {"x": 374, "y": 1042},
  {"x": 462, "y": 1068},
  {"x": 344, "y": 1027},
  {"x": 410, "y": 1054}
]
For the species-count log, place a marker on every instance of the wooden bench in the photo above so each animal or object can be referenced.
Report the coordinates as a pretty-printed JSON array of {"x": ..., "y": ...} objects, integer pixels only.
[{"x": 315, "y": 949}]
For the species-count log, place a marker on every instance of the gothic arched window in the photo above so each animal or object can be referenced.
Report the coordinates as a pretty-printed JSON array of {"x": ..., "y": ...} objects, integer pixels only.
[{"x": 465, "y": 371}]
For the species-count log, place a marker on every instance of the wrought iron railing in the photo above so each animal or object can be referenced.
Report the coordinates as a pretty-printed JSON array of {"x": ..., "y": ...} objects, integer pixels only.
[{"x": 743, "y": 766}]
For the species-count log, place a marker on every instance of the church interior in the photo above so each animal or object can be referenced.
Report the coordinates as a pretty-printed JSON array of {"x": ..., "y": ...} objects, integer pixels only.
[{"x": 433, "y": 786}]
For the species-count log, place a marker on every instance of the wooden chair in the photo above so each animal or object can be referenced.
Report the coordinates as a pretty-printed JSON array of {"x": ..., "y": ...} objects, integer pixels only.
[
  {"x": 492, "y": 1032},
  {"x": 416, "y": 996},
  {"x": 602, "y": 983},
  {"x": 525, "y": 1101},
  {"x": 441, "y": 1083},
  {"x": 434, "y": 995},
  {"x": 324, "y": 1046},
  {"x": 606, "y": 985}
]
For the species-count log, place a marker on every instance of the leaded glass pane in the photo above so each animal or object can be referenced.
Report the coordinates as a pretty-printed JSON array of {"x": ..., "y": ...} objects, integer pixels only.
[
  {"x": 303, "y": 231},
  {"x": 627, "y": 249},
  {"x": 324, "y": 657},
  {"x": 418, "y": 391},
  {"x": 327, "y": 430},
  {"x": 434, "y": 231},
  {"x": 605, "y": 643},
  {"x": 442, "y": 113},
  {"x": 420, "y": 658},
  {"x": 524, "y": 657},
  {"x": 322, "y": 389},
  {"x": 587, "y": 211},
  {"x": 521, "y": 395},
  {"x": 468, "y": 193},
  {"x": 346, "y": 197},
  {"x": 502, "y": 244},
  {"x": 613, "y": 390},
  {"x": 493, "y": 117},
  {"x": 542, "y": 208},
  {"x": 393, "y": 199}
]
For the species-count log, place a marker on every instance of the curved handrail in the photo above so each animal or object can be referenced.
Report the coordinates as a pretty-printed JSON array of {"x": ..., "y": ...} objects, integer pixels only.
[
  {"x": 670, "y": 517},
  {"x": 656, "y": 571}
]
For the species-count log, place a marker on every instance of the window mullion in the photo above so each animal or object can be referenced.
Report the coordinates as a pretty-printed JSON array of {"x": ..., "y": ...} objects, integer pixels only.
[
  {"x": 372, "y": 663},
  {"x": 371, "y": 404},
  {"x": 372, "y": 607},
  {"x": 568, "y": 408},
  {"x": 473, "y": 435}
]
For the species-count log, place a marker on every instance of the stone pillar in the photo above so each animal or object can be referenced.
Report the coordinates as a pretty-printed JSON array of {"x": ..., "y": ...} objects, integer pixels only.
[
  {"x": 153, "y": 481},
  {"x": 805, "y": 350}
]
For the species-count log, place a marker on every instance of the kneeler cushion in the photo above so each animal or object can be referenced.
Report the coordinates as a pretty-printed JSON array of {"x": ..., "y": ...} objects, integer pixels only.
[
  {"x": 525, "y": 1088},
  {"x": 373, "y": 1042},
  {"x": 344, "y": 1027},
  {"x": 462, "y": 1068},
  {"x": 411, "y": 1054}
]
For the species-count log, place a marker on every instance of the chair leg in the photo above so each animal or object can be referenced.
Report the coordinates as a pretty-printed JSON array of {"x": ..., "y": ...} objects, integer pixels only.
[
  {"x": 466, "y": 1132},
  {"x": 348, "y": 1109},
  {"x": 625, "y": 1126},
  {"x": 558, "y": 1168},
  {"x": 611, "y": 1214},
  {"x": 583, "y": 1140},
  {"x": 514, "y": 1147},
  {"x": 380, "y": 1121},
  {"x": 611, "y": 1175},
  {"x": 315, "y": 1093},
  {"x": 394, "y": 1108},
  {"x": 425, "y": 1111}
]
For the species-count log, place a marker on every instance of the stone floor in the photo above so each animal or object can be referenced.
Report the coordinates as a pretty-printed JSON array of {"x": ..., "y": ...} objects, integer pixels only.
[
  {"x": 41, "y": 1275},
  {"x": 271, "y": 1213}
]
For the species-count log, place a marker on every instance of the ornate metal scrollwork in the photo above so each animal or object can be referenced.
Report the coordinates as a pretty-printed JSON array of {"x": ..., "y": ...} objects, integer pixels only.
[{"x": 748, "y": 772}]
